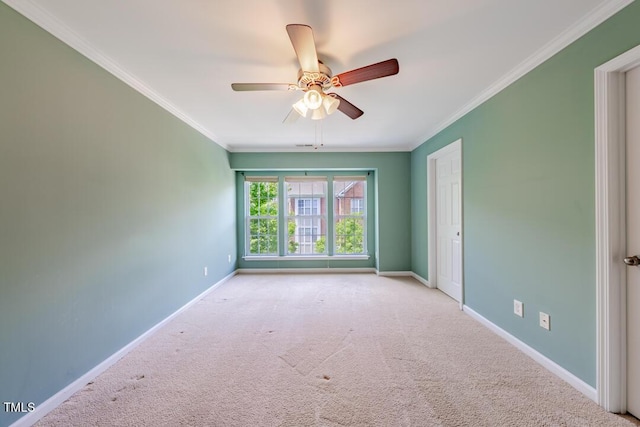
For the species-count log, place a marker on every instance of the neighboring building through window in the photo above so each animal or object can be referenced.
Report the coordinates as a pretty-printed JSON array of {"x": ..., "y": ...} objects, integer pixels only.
[
  {"x": 307, "y": 229},
  {"x": 357, "y": 206},
  {"x": 350, "y": 221},
  {"x": 307, "y": 215}
]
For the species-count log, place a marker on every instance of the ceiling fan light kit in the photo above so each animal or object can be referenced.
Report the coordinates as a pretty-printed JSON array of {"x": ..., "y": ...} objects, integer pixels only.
[
  {"x": 317, "y": 102},
  {"x": 314, "y": 77},
  {"x": 313, "y": 98}
]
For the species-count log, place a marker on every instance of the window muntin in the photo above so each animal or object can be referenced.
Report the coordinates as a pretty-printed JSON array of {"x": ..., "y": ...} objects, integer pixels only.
[
  {"x": 349, "y": 219},
  {"x": 323, "y": 216},
  {"x": 307, "y": 215},
  {"x": 261, "y": 197}
]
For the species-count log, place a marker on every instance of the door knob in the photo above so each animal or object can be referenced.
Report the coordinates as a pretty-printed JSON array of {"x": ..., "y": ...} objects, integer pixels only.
[{"x": 632, "y": 260}]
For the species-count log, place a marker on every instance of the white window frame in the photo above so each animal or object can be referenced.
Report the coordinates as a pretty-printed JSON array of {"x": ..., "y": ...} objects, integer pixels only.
[
  {"x": 249, "y": 217},
  {"x": 289, "y": 208},
  {"x": 362, "y": 215},
  {"x": 306, "y": 245}
]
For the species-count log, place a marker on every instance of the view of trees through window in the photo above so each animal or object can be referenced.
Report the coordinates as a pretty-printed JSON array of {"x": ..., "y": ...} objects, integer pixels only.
[
  {"x": 263, "y": 217},
  {"x": 349, "y": 217}
]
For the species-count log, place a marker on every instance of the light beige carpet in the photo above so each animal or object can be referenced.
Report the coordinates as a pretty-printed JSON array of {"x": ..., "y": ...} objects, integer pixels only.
[{"x": 327, "y": 350}]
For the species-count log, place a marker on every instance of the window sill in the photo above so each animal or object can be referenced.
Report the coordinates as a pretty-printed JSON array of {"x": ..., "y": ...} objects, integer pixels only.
[{"x": 305, "y": 257}]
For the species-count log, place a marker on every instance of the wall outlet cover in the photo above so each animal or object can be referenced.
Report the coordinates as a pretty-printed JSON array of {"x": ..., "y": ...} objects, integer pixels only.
[
  {"x": 545, "y": 321},
  {"x": 518, "y": 308}
]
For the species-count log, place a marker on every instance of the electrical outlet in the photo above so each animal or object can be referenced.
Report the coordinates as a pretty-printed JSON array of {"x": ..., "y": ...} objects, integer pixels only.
[
  {"x": 206, "y": 271},
  {"x": 229, "y": 258},
  {"x": 545, "y": 321},
  {"x": 518, "y": 308}
]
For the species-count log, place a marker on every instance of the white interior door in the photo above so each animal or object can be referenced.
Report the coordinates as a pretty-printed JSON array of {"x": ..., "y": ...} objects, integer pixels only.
[
  {"x": 633, "y": 240},
  {"x": 448, "y": 220}
]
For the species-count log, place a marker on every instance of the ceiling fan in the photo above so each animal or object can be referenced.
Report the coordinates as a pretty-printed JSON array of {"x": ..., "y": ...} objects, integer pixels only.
[{"x": 314, "y": 78}]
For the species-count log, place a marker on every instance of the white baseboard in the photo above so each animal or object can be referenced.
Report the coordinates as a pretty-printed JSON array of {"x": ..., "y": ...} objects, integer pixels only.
[
  {"x": 394, "y": 273},
  {"x": 406, "y": 274},
  {"x": 422, "y": 280},
  {"x": 335, "y": 270},
  {"x": 325, "y": 270},
  {"x": 58, "y": 398},
  {"x": 550, "y": 365}
]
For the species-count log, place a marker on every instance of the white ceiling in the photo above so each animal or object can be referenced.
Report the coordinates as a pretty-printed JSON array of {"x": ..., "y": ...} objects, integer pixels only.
[{"x": 185, "y": 54}]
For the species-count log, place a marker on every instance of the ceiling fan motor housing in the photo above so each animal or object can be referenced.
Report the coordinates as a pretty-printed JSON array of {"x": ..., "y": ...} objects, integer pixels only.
[{"x": 321, "y": 78}]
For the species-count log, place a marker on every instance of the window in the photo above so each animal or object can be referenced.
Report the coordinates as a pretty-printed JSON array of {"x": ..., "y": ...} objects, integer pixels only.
[
  {"x": 350, "y": 222},
  {"x": 307, "y": 215},
  {"x": 262, "y": 219},
  {"x": 297, "y": 216}
]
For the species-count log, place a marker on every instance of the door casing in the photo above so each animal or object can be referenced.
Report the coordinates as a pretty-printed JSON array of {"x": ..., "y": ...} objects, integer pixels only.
[
  {"x": 611, "y": 301},
  {"x": 431, "y": 210}
]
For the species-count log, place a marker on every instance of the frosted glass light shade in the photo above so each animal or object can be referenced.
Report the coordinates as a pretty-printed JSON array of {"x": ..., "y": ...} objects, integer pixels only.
[
  {"x": 318, "y": 114},
  {"x": 301, "y": 108},
  {"x": 330, "y": 104},
  {"x": 313, "y": 99}
]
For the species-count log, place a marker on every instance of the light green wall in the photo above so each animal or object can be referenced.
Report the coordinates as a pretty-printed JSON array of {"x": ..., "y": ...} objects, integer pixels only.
[
  {"x": 528, "y": 194},
  {"x": 110, "y": 207},
  {"x": 392, "y": 187}
]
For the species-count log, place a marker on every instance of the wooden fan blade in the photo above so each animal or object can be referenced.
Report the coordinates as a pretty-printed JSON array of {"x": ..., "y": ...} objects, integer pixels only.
[
  {"x": 302, "y": 40},
  {"x": 347, "y": 108},
  {"x": 241, "y": 87},
  {"x": 370, "y": 72}
]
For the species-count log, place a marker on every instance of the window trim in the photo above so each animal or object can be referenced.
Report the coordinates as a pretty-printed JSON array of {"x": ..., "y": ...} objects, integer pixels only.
[
  {"x": 248, "y": 217},
  {"x": 317, "y": 218},
  {"x": 363, "y": 215},
  {"x": 290, "y": 257},
  {"x": 330, "y": 218}
]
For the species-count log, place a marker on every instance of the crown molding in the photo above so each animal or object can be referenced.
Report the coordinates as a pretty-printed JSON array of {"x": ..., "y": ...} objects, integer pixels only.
[
  {"x": 55, "y": 27},
  {"x": 570, "y": 35},
  {"x": 324, "y": 149}
]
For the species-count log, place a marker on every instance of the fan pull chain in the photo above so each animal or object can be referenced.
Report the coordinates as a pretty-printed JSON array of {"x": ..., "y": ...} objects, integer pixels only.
[{"x": 321, "y": 132}]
